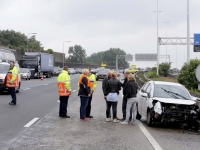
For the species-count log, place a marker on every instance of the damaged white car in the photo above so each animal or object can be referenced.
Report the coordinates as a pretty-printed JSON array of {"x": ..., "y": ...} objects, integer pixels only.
[{"x": 166, "y": 102}]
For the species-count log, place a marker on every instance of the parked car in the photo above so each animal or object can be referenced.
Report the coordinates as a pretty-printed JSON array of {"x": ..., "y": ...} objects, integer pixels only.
[
  {"x": 78, "y": 71},
  {"x": 71, "y": 71},
  {"x": 25, "y": 73},
  {"x": 166, "y": 102},
  {"x": 56, "y": 71}
]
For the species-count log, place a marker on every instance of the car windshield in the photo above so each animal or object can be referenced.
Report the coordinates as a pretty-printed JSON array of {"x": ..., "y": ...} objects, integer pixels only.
[
  {"x": 171, "y": 91},
  {"x": 4, "y": 68},
  {"x": 103, "y": 71},
  {"x": 22, "y": 70}
]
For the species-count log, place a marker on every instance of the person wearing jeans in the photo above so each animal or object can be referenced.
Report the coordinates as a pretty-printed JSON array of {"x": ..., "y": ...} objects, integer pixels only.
[
  {"x": 84, "y": 93},
  {"x": 114, "y": 86},
  {"x": 131, "y": 94}
]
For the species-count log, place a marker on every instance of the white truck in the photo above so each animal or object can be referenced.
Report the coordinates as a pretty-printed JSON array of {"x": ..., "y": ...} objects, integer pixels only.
[{"x": 7, "y": 55}]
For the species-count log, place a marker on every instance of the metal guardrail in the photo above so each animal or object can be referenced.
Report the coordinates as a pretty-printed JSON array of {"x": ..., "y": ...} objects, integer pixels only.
[{"x": 146, "y": 77}]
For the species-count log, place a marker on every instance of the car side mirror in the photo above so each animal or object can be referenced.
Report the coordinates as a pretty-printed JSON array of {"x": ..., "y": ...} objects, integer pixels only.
[{"x": 144, "y": 95}]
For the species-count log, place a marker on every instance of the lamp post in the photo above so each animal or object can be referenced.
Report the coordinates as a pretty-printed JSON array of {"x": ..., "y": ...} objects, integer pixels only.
[
  {"x": 166, "y": 38},
  {"x": 188, "y": 32},
  {"x": 27, "y": 39},
  {"x": 63, "y": 52},
  {"x": 158, "y": 51}
]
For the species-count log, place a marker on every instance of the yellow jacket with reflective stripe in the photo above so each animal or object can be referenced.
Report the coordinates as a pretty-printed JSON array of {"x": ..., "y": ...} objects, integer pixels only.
[
  {"x": 93, "y": 81},
  {"x": 64, "y": 77},
  {"x": 14, "y": 73}
]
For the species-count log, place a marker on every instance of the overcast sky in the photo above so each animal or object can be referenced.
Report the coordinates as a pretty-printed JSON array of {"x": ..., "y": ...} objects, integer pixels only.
[{"x": 98, "y": 25}]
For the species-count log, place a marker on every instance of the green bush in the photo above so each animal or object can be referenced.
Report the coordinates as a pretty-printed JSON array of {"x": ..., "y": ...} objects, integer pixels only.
[
  {"x": 187, "y": 75},
  {"x": 164, "y": 69},
  {"x": 154, "y": 69},
  {"x": 152, "y": 75}
]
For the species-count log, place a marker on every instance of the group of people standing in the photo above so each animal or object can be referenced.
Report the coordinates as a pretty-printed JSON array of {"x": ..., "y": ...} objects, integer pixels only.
[
  {"x": 111, "y": 87},
  {"x": 86, "y": 86}
]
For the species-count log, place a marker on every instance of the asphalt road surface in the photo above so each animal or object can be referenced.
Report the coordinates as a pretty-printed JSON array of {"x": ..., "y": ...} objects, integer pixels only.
[{"x": 35, "y": 99}]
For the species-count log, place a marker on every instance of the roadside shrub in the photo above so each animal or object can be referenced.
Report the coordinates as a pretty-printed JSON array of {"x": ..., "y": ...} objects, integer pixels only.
[
  {"x": 154, "y": 69},
  {"x": 187, "y": 75},
  {"x": 164, "y": 69},
  {"x": 152, "y": 75}
]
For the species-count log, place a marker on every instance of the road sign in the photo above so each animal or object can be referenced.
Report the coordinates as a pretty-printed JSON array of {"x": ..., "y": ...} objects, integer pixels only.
[
  {"x": 196, "y": 42},
  {"x": 145, "y": 57},
  {"x": 128, "y": 57}
]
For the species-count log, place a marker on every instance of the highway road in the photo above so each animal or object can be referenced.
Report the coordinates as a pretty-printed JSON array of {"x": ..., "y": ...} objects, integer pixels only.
[{"x": 35, "y": 99}]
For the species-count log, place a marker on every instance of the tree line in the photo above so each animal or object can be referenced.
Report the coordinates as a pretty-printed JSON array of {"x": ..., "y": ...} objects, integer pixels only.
[{"x": 18, "y": 41}]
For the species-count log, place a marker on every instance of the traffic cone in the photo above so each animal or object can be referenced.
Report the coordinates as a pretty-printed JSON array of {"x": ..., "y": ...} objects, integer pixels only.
[{"x": 41, "y": 78}]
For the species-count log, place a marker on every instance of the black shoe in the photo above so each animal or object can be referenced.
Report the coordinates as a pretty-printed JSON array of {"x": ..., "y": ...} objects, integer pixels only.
[
  {"x": 65, "y": 116},
  {"x": 12, "y": 103},
  {"x": 89, "y": 116}
]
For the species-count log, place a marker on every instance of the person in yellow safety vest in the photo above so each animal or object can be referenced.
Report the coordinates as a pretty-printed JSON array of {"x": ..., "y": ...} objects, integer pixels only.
[
  {"x": 64, "y": 91},
  {"x": 11, "y": 78},
  {"x": 93, "y": 84}
]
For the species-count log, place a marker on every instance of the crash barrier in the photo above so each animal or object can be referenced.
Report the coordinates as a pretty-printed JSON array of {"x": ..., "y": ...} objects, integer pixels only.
[
  {"x": 146, "y": 77},
  {"x": 138, "y": 80}
]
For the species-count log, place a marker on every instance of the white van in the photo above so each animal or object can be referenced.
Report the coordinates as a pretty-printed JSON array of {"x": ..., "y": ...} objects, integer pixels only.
[{"x": 5, "y": 57}]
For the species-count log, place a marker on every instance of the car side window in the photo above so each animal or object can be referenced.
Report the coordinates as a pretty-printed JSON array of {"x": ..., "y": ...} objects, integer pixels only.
[
  {"x": 145, "y": 87},
  {"x": 149, "y": 88}
]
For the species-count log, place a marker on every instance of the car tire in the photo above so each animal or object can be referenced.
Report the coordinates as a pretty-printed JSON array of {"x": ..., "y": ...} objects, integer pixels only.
[
  {"x": 150, "y": 118},
  {"x": 97, "y": 79}
]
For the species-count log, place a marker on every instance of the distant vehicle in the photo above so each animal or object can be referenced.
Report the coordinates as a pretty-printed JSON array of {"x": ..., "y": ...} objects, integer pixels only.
[
  {"x": 166, "y": 102},
  {"x": 101, "y": 74},
  {"x": 56, "y": 71},
  {"x": 71, "y": 71},
  {"x": 25, "y": 73},
  {"x": 93, "y": 70},
  {"x": 40, "y": 64},
  {"x": 132, "y": 70},
  {"x": 5, "y": 57},
  {"x": 78, "y": 71}
]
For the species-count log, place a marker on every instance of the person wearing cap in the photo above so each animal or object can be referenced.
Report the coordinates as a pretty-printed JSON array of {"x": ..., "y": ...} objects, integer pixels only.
[
  {"x": 93, "y": 83},
  {"x": 63, "y": 80},
  {"x": 14, "y": 72}
]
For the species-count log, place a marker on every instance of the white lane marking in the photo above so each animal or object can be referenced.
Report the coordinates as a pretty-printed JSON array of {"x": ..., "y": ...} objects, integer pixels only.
[
  {"x": 73, "y": 91},
  {"x": 27, "y": 89},
  {"x": 148, "y": 136},
  {"x": 58, "y": 101},
  {"x": 31, "y": 122},
  {"x": 153, "y": 142}
]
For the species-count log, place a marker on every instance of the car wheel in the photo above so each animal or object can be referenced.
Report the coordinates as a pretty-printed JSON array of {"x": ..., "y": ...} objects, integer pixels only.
[
  {"x": 149, "y": 118},
  {"x": 97, "y": 79},
  {"x": 138, "y": 115}
]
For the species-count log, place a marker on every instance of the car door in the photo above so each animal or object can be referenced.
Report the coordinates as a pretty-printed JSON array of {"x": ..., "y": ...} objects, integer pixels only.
[
  {"x": 141, "y": 97},
  {"x": 147, "y": 100}
]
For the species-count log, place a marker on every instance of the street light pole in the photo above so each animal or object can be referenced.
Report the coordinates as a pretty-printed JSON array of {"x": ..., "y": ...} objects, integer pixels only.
[
  {"x": 64, "y": 53},
  {"x": 166, "y": 38},
  {"x": 158, "y": 51},
  {"x": 27, "y": 40},
  {"x": 188, "y": 32}
]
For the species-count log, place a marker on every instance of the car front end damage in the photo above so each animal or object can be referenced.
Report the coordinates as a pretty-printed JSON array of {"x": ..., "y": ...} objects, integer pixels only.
[{"x": 170, "y": 112}]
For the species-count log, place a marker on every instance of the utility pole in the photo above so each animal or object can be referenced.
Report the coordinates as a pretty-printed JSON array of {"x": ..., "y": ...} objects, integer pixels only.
[{"x": 188, "y": 32}]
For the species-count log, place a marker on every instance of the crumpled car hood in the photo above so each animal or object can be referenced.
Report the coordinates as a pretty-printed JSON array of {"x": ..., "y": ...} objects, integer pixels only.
[{"x": 175, "y": 101}]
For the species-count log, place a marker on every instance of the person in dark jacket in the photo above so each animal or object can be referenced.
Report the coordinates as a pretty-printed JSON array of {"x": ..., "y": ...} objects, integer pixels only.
[
  {"x": 105, "y": 88},
  {"x": 84, "y": 93},
  {"x": 131, "y": 94},
  {"x": 114, "y": 86},
  {"x": 124, "y": 102}
]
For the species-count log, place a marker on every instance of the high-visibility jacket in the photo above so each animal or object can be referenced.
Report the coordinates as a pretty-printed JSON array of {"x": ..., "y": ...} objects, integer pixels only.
[
  {"x": 92, "y": 81},
  {"x": 80, "y": 81},
  {"x": 12, "y": 79},
  {"x": 63, "y": 84}
]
